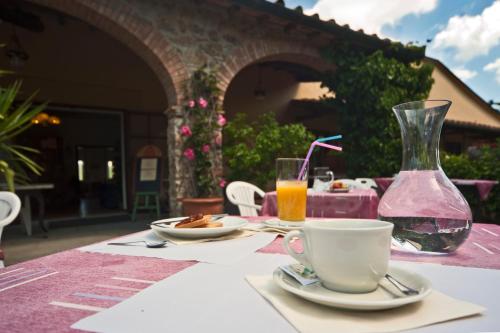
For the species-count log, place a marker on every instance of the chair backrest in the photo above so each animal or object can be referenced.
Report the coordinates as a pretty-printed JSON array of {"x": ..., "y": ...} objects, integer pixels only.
[
  {"x": 351, "y": 183},
  {"x": 367, "y": 182},
  {"x": 10, "y": 205},
  {"x": 242, "y": 194}
]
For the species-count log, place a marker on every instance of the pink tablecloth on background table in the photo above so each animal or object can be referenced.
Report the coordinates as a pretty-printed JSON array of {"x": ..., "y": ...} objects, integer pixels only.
[
  {"x": 483, "y": 186},
  {"x": 49, "y": 294},
  {"x": 357, "y": 203}
]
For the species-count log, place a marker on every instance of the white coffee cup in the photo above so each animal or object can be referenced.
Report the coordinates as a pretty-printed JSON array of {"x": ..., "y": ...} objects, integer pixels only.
[{"x": 348, "y": 255}]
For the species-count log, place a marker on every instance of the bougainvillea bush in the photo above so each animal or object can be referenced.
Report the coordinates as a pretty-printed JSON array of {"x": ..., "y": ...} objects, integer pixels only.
[{"x": 200, "y": 132}]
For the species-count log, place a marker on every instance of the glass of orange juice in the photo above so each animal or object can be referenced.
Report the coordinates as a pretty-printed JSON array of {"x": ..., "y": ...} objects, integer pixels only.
[{"x": 291, "y": 189}]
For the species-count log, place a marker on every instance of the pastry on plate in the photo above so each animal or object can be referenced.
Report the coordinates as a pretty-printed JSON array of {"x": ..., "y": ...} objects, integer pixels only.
[{"x": 198, "y": 221}]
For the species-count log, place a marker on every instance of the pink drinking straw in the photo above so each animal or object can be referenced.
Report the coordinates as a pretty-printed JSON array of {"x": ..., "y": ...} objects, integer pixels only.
[{"x": 311, "y": 148}]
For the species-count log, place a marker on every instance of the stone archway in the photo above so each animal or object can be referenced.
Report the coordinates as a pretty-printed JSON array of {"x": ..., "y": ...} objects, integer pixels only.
[
  {"x": 125, "y": 24},
  {"x": 253, "y": 52},
  {"x": 121, "y": 22},
  {"x": 279, "y": 71}
]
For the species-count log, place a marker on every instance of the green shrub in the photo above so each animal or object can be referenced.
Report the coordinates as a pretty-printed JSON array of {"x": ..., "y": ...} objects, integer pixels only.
[
  {"x": 458, "y": 166},
  {"x": 251, "y": 148},
  {"x": 366, "y": 87},
  {"x": 485, "y": 166}
]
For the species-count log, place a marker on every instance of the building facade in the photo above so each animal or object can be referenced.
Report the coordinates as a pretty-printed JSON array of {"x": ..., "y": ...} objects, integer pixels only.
[
  {"x": 471, "y": 121},
  {"x": 143, "y": 52}
]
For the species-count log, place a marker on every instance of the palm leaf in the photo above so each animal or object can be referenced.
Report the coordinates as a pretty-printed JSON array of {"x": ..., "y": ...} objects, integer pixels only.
[
  {"x": 23, "y": 123},
  {"x": 11, "y": 93},
  {"x": 28, "y": 162},
  {"x": 21, "y": 176},
  {"x": 4, "y": 72},
  {"x": 8, "y": 173},
  {"x": 21, "y": 116},
  {"x": 15, "y": 119},
  {"x": 28, "y": 149},
  {"x": 7, "y": 97}
]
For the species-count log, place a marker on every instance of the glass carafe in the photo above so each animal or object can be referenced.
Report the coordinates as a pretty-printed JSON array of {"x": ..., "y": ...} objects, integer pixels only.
[{"x": 429, "y": 213}]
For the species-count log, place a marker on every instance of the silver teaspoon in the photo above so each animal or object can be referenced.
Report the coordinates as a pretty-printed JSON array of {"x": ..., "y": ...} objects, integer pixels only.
[
  {"x": 150, "y": 244},
  {"x": 408, "y": 291}
]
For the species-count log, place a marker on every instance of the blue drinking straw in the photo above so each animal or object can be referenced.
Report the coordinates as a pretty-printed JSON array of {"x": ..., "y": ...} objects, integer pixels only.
[
  {"x": 335, "y": 137},
  {"x": 318, "y": 142}
]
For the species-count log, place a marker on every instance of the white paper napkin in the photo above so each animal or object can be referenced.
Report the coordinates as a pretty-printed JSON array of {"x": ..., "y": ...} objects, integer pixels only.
[
  {"x": 307, "y": 317},
  {"x": 219, "y": 252}
]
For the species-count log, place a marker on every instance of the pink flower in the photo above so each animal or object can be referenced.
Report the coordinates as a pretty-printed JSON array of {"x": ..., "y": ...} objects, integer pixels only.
[
  {"x": 202, "y": 102},
  {"x": 189, "y": 154},
  {"x": 191, "y": 104},
  {"x": 186, "y": 131},
  {"x": 205, "y": 148},
  {"x": 221, "y": 120},
  {"x": 218, "y": 140},
  {"x": 222, "y": 182}
]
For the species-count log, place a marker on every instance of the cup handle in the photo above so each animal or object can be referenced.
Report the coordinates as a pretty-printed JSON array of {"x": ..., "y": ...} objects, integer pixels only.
[{"x": 300, "y": 257}]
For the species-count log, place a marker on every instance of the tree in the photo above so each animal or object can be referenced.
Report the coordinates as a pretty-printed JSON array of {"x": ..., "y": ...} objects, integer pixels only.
[{"x": 366, "y": 87}]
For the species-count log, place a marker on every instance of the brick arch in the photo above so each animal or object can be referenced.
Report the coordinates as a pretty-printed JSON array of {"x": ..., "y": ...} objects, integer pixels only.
[
  {"x": 121, "y": 22},
  {"x": 254, "y": 52}
]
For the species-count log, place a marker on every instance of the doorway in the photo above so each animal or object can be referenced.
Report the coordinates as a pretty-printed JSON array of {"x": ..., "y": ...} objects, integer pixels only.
[{"x": 83, "y": 157}]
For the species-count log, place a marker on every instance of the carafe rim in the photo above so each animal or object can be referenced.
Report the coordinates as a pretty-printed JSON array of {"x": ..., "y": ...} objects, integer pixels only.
[{"x": 401, "y": 106}]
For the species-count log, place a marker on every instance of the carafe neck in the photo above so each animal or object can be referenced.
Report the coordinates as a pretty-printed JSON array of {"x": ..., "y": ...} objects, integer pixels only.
[{"x": 420, "y": 133}]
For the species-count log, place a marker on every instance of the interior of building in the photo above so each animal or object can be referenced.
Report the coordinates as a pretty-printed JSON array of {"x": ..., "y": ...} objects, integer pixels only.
[{"x": 107, "y": 101}]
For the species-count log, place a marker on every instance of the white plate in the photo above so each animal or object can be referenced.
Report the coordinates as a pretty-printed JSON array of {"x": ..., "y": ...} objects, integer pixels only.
[
  {"x": 384, "y": 297},
  {"x": 283, "y": 225},
  {"x": 339, "y": 190},
  {"x": 230, "y": 224}
]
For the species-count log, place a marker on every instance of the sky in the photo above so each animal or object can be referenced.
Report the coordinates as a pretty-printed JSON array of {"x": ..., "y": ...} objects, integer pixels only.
[{"x": 463, "y": 34}]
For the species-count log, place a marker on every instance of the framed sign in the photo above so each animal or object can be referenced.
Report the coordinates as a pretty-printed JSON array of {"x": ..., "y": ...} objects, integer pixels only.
[
  {"x": 148, "y": 166},
  {"x": 148, "y": 169}
]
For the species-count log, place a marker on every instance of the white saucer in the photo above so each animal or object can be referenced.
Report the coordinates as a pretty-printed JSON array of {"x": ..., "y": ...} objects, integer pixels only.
[
  {"x": 283, "y": 225},
  {"x": 230, "y": 224},
  {"x": 384, "y": 297}
]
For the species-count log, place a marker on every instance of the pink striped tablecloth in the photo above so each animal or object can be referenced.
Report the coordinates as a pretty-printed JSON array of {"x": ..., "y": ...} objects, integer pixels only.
[
  {"x": 49, "y": 294},
  {"x": 483, "y": 186},
  {"x": 357, "y": 203}
]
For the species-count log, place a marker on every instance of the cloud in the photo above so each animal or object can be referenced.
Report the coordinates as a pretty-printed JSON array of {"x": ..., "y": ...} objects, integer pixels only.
[
  {"x": 369, "y": 15},
  {"x": 471, "y": 36},
  {"x": 494, "y": 67},
  {"x": 463, "y": 73}
]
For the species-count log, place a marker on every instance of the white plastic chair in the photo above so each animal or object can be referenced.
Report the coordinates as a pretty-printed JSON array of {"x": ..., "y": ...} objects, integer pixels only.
[
  {"x": 242, "y": 194},
  {"x": 351, "y": 183},
  {"x": 367, "y": 182},
  {"x": 10, "y": 205}
]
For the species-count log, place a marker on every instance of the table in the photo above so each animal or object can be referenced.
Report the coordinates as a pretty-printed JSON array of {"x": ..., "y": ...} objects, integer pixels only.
[
  {"x": 26, "y": 192},
  {"x": 51, "y": 293},
  {"x": 357, "y": 203},
  {"x": 483, "y": 186}
]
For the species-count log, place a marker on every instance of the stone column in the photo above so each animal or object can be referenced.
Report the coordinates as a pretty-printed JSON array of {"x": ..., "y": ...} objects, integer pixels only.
[
  {"x": 180, "y": 174},
  {"x": 176, "y": 179},
  {"x": 218, "y": 161}
]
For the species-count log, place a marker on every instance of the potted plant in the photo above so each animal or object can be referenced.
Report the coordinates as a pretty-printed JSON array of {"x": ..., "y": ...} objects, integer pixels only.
[
  {"x": 15, "y": 119},
  {"x": 202, "y": 140}
]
